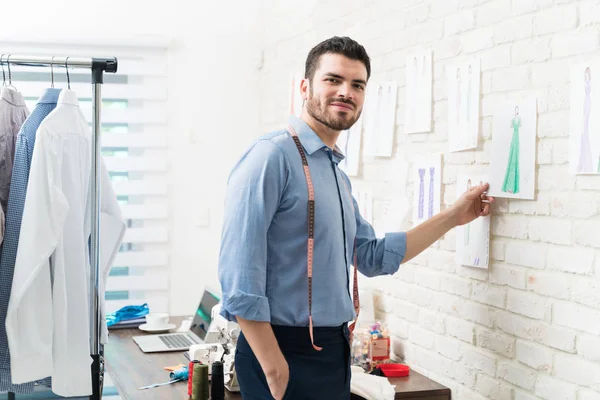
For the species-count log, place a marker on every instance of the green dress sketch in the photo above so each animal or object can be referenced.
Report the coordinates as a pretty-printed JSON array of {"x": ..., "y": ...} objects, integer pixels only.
[{"x": 512, "y": 177}]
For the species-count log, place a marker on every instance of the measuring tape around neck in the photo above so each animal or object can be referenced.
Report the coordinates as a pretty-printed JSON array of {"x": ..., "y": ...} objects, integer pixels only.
[{"x": 311, "y": 244}]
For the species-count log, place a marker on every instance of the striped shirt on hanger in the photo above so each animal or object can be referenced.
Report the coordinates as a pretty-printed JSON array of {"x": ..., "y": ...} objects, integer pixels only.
[
  {"x": 16, "y": 200},
  {"x": 13, "y": 112}
]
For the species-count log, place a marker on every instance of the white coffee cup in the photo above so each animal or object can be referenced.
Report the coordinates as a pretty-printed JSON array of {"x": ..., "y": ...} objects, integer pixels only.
[{"x": 157, "y": 320}]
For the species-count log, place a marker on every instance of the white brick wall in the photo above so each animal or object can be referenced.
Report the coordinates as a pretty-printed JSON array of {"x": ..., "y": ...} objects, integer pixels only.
[
  {"x": 517, "y": 375},
  {"x": 528, "y": 304},
  {"x": 535, "y": 356},
  {"x": 529, "y": 328},
  {"x": 589, "y": 347},
  {"x": 574, "y": 369},
  {"x": 549, "y": 388},
  {"x": 577, "y": 317}
]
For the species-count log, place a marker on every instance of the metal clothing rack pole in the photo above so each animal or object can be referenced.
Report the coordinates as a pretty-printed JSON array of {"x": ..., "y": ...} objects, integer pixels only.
[{"x": 98, "y": 67}]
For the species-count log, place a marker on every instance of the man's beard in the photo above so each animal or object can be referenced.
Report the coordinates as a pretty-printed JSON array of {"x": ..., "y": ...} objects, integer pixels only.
[{"x": 332, "y": 120}]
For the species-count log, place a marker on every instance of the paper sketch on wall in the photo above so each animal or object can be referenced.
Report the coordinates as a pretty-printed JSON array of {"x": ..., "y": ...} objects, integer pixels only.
[
  {"x": 395, "y": 213},
  {"x": 463, "y": 105},
  {"x": 380, "y": 118},
  {"x": 472, "y": 240},
  {"x": 349, "y": 144},
  {"x": 365, "y": 204},
  {"x": 512, "y": 164},
  {"x": 296, "y": 100},
  {"x": 584, "y": 139},
  {"x": 427, "y": 189},
  {"x": 392, "y": 207},
  {"x": 418, "y": 105}
]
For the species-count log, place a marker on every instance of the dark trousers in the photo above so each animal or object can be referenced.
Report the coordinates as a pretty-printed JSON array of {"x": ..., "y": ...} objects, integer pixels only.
[{"x": 314, "y": 374}]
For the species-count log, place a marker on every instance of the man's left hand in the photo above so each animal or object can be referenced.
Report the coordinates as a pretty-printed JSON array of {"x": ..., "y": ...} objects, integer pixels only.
[{"x": 472, "y": 204}]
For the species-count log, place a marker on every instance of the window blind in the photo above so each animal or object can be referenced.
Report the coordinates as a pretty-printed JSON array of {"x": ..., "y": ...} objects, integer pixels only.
[{"x": 134, "y": 147}]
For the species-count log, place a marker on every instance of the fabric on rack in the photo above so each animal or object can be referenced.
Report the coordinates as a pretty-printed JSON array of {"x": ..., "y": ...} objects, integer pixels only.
[
  {"x": 47, "y": 322},
  {"x": 16, "y": 201},
  {"x": 13, "y": 112}
]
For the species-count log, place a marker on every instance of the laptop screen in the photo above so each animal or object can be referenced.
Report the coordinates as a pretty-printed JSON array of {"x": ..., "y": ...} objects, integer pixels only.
[{"x": 202, "y": 318}]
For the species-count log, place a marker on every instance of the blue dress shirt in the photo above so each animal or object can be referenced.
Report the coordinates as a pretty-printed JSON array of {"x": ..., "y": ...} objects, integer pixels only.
[
  {"x": 263, "y": 255},
  {"x": 14, "y": 216}
]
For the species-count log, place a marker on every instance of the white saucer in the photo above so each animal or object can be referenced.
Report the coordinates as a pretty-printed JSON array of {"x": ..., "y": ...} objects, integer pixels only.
[{"x": 157, "y": 329}]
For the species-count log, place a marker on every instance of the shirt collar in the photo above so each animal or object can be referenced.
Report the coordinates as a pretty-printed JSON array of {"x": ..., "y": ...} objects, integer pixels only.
[
  {"x": 311, "y": 141},
  {"x": 12, "y": 96},
  {"x": 68, "y": 96},
  {"x": 50, "y": 96}
]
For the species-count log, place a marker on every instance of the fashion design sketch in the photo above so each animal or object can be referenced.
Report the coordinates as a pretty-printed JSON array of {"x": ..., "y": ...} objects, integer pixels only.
[
  {"x": 418, "y": 103},
  {"x": 512, "y": 164},
  {"x": 431, "y": 192},
  {"x": 421, "y": 201},
  {"x": 463, "y": 104},
  {"x": 585, "y": 151},
  {"x": 427, "y": 187},
  {"x": 584, "y": 146},
  {"x": 349, "y": 144},
  {"x": 380, "y": 118},
  {"x": 473, "y": 239},
  {"x": 457, "y": 118},
  {"x": 469, "y": 90},
  {"x": 296, "y": 101},
  {"x": 512, "y": 178},
  {"x": 364, "y": 199},
  {"x": 393, "y": 206}
]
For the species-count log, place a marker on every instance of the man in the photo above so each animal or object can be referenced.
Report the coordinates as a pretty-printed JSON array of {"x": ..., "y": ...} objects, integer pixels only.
[{"x": 291, "y": 231}]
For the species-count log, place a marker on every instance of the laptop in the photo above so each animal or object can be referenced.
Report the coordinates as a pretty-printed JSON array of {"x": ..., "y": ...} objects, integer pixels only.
[{"x": 183, "y": 340}]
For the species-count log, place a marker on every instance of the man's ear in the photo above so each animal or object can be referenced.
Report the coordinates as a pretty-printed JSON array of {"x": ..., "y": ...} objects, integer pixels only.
[{"x": 304, "y": 87}]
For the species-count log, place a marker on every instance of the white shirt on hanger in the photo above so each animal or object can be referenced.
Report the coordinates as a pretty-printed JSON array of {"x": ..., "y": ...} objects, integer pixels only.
[{"x": 48, "y": 317}]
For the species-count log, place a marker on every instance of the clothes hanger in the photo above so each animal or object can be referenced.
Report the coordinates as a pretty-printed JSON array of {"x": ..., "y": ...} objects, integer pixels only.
[
  {"x": 10, "y": 85},
  {"x": 67, "y": 69},
  {"x": 52, "y": 71},
  {"x": 3, "y": 73}
]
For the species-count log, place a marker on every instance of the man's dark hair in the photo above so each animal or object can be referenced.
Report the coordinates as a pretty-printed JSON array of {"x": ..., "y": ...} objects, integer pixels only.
[{"x": 336, "y": 45}]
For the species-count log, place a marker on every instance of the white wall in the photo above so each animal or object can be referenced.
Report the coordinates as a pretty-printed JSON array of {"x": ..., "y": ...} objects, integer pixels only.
[
  {"x": 86, "y": 21},
  {"x": 529, "y": 328},
  {"x": 213, "y": 67},
  {"x": 214, "y": 100}
]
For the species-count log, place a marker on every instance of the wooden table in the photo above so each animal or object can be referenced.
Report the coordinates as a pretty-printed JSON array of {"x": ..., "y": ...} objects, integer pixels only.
[{"x": 130, "y": 368}]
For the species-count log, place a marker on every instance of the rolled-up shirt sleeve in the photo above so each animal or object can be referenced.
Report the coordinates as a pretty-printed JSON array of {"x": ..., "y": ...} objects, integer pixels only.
[
  {"x": 376, "y": 256},
  {"x": 254, "y": 190}
]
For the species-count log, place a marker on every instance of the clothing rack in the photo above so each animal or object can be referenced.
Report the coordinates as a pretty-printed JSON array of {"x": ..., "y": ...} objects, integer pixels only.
[{"x": 98, "y": 67}]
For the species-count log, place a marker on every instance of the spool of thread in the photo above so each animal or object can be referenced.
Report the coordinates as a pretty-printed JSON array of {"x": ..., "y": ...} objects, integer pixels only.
[
  {"x": 181, "y": 373},
  {"x": 217, "y": 384},
  {"x": 190, "y": 375},
  {"x": 200, "y": 382}
]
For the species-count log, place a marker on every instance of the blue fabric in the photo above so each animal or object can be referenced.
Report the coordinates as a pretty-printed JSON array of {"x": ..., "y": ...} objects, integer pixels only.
[
  {"x": 14, "y": 215},
  {"x": 314, "y": 375},
  {"x": 126, "y": 313},
  {"x": 263, "y": 255}
]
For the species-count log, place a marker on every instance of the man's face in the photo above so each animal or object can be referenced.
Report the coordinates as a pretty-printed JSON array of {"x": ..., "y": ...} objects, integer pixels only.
[{"x": 336, "y": 94}]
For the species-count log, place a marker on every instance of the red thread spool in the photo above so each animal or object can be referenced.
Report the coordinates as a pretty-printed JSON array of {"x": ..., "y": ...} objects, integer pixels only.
[{"x": 190, "y": 375}]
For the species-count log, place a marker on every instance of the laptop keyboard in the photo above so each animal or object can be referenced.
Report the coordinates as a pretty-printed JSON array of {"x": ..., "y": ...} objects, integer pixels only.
[{"x": 176, "y": 341}]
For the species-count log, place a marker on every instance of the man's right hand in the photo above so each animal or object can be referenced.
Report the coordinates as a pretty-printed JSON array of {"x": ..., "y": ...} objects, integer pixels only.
[
  {"x": 278, "y": 381},
  {"x": 264, "y": 345}
]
